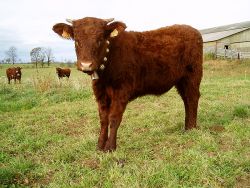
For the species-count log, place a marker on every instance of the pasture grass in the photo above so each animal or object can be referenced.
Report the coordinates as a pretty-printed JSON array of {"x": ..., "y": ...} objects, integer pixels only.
[{"x": 49, "y": 130}]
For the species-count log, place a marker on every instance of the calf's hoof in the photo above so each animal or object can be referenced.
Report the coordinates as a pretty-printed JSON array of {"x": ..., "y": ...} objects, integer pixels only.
[
  {"x": 190, "y": 127},
  {"x": 109, "y": 147}
]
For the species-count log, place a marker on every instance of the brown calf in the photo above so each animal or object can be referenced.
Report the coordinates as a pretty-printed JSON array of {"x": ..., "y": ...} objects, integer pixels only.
[
  {"x": 14, "y": 73},
  {"x": 63, "y": 72},
  {"x": 125, "y": 65}
]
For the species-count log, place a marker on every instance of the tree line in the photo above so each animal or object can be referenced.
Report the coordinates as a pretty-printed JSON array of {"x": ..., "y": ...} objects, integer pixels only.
[{"x": 38, "y": 55}]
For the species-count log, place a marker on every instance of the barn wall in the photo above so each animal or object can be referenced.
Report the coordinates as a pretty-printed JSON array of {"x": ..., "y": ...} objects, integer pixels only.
[
  {"x": 238, "y": 42},
  {"x": 209, "y": 47},
  {"x": 242, "y": 47}
]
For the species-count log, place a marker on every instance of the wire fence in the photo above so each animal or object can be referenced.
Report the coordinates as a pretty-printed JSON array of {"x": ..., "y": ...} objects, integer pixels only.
[{"x": 232, "y": 54}]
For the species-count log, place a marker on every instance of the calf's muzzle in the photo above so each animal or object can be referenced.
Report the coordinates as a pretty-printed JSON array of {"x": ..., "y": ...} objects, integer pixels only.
[{"x": 85, "y": 66}]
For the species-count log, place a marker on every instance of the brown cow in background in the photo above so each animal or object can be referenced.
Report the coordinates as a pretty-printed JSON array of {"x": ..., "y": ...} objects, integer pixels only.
[
  {"x": 125, "y": 65},
  {"x": 63, "y": 72},
  {"x": 14, "y": 73}
]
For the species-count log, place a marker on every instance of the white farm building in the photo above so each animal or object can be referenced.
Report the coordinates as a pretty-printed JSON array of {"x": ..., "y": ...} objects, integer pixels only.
[{"x": 229, "y": 41}]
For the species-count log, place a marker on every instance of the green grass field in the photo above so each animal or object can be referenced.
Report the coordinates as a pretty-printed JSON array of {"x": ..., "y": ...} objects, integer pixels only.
[{"x": 49, "y": 130}]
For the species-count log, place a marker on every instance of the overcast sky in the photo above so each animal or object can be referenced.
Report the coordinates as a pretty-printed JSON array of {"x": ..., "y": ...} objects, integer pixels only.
[{"x": 27, "y": 24}]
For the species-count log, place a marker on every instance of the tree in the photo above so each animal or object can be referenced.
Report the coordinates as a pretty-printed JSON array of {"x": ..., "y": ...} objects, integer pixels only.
[
  {"x": 7, "y": 60},
  {"x": 37, "y": 55},
  {"x": 12, "y": 54},
  {"x": 42, "y": 58},
  {"x": 48, "y": 55}
]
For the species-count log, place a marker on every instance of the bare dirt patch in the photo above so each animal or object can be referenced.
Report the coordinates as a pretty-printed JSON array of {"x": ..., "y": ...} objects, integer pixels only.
[
  {"x": 217, "y": 129},
  {"x": 243, "y": 181}
]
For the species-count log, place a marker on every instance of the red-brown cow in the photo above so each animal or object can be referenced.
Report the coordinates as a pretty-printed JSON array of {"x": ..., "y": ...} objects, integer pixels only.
[
  {"x": 125, "y": 65},
  {"x": 14, "y": 73},
  {"x": 63, "y": 72}
]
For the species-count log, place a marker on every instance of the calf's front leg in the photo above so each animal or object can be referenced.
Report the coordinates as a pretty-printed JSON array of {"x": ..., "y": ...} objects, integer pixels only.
[
  {"x": 115, "y": 117},
  {"x": 104, "y": 121}
]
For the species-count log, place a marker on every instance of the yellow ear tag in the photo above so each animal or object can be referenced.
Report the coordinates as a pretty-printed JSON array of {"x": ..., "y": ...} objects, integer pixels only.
[
  {"x": 114, "y": 33},
  {"x": 65, "y": 35}
]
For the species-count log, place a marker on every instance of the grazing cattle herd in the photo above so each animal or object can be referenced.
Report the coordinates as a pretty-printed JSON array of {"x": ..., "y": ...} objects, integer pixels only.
[
  {"x": 125, "y": 65},
  {"x": 16, "y": 73}
]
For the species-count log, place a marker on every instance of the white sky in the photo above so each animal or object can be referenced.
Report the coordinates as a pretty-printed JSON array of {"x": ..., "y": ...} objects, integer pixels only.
[{"x": 27, "y": 24}]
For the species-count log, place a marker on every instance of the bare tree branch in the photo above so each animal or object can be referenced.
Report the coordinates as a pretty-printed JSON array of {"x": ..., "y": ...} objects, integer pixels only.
[
  {"x": 12, "y": 54},
  {"x": 37, "y": 55},
  {"x": 48, "y": 55}
]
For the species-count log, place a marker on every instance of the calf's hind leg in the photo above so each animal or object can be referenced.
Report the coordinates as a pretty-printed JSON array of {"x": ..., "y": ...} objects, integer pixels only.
[{"x": 190, "y": 94}]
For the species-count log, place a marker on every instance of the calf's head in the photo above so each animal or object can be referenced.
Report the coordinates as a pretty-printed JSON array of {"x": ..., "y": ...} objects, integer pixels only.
[
  {"x": 18, "y": 71},
  {"x": 92, "y": 40},
  {"x": 58, "y": 70}
]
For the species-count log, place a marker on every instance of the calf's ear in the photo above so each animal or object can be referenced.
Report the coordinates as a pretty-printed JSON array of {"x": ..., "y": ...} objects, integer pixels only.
[
  {"x": 115, "y": 28},
  {"x": 64, "y": 30}
]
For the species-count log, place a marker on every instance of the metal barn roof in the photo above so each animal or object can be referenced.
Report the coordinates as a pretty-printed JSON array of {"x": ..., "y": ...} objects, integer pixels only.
[{"x": 217, "y": 33}]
